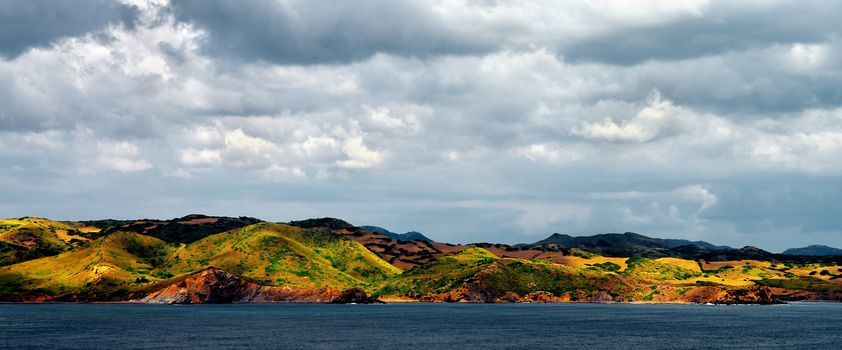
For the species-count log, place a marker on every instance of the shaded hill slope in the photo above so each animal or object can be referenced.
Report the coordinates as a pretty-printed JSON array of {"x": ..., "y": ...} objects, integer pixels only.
[
  {"x": 636, "y": 245},
  {"x": 186, "y": 229},
  {"x": 402, "y": 254},
  {"x": 814, "y": 250},
  {"x": 408, "y": 236},
  {"x": 108, "y": 268},
  {"x": 31, "y": 238},
  {"x": 627, "y": 244}
]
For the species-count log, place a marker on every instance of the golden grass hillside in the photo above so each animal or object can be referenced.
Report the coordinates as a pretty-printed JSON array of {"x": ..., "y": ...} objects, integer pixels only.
[
  {"x": 278, "y": 254},
  {"x": 115, "y": 266},
  {"x": 30, "y": 238},
  {"x": 118, "y": 265}
]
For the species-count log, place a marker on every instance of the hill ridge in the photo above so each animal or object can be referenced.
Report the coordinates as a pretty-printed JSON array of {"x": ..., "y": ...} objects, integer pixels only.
[
  {"x": 198, "y": 258},
  {"x": 814, "y": 250}
]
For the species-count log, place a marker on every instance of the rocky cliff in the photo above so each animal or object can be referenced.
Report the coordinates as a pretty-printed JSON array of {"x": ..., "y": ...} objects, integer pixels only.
[
  {"x": 215, "y": 286},
  {"x": 719, "y": 295}
]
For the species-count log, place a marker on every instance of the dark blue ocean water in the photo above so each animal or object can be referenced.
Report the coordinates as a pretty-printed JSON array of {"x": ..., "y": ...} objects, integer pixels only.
[{"x": 420, "y": 326}]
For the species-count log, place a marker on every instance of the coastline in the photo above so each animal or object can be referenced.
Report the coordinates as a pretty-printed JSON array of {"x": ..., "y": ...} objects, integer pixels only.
[{"x": 412, "y": 301}]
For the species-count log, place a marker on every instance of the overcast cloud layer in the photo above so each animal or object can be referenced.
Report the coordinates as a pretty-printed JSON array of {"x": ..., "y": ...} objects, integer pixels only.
[{"x": 501, "y": 121}]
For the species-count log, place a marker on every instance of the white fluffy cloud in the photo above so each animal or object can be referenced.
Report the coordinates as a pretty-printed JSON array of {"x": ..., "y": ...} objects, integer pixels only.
[
  {"x": 278, "y": 145},
  {"x": 120, "y": 156},
  {"x": 476, "y": 121},
  {"x": 658, "y": 117},
  {"x": 80, "y": 150}
]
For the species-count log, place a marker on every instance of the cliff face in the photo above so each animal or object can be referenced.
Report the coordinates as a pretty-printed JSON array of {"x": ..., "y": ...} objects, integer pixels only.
[
  {"x": 215, "y": 286},
  {"x": 476, "y": 292},
  {"x": 717, "y": 295}
]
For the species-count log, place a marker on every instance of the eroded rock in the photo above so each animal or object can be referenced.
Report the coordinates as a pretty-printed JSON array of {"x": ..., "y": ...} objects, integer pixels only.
[
  {"x": 720, "y": 295},
  {"x": 215, "y": 286}
]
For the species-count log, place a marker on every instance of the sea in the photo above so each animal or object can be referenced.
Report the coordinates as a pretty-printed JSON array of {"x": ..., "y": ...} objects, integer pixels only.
[{"x": 421, "y": 326}]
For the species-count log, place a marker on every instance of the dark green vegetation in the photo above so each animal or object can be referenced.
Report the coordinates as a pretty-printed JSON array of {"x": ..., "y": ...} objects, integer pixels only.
[
  {"x": 408, "y": 236},
  {"x": 187, "y": 229},
  {"x": 637, "y": 245},
  {"x": 123, "y": 264},
  {"x": 814, "y": 250},
  {"x": 43, "y": 260},
  {"x": 28, "y": 238},
  {"x": 626, "y": 244},
  {"x": 477, "y": 275}
]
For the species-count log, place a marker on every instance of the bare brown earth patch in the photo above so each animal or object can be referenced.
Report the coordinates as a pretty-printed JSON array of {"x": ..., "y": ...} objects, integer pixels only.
[
  {"x": 199, "y": 221},
  {"x": 402, "y": 254}
]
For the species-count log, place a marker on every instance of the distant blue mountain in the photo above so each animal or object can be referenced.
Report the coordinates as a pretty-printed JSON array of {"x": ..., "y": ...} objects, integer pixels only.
[
  {"x": 814, "y": 250},
  {"x": 634, "y": 244},
  {"x": 409, "y": 236}
]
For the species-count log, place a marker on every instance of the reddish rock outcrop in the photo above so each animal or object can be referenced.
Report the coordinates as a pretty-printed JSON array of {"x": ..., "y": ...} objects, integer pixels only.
[
  {"x": 810, "y": 296},
  {"x": 468, "y": 293},
  {"x": 354, "y": 296},
  {"x": 215, "y": 286},
  {"x": 533, "y": 297},
  {"x": 720, "y": 295},
  {"x": 602, "y": 297}
]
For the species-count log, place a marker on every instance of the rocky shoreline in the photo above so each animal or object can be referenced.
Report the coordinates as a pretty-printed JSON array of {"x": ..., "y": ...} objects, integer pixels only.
[{"x": 216, "y": 286}]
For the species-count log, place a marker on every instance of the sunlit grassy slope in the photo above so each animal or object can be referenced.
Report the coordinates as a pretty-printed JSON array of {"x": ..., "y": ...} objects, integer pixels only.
[
  {"x": 499, "y": 276},
  {"x": 443, "y": 275},
  {"x": 284, "y": 255},
  {"x": 47, "y": 259},
  {"x": 581, "y": 277},
  {"x": 114, "y": 266},
  {"x": 30, "y": 238}
]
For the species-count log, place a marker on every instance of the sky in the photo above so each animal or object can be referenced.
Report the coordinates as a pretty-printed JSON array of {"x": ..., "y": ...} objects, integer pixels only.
[{"x": 495, "y": 121}]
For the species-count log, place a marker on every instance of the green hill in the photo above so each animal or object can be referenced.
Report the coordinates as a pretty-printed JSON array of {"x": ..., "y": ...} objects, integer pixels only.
[
  {"x": 475, "y": 274},
  {"x": 31, "y": 238},
  {"x": 122, "y": 264},
  {"x": 185, "y": 229},
  {"x": 319, "y": 260},
  {"x": 105, "y": 269},
  {"x": 441, "y": 276},
  {"x": 277, "y": 254}
]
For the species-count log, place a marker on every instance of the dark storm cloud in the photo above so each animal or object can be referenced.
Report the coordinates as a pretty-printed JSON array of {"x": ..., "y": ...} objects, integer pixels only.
[
  {"x": 32, "y": 23},
  {"x": 778, "y": 203},
  {"x": 754, "y": 84},
  {"x": 723, "y": 27},
  {"x": 322, "y": 32},
  {"x": 501, "y": 121}
]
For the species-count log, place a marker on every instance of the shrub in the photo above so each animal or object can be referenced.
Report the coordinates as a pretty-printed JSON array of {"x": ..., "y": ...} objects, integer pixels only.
[
  {"x": 719, "y": 270},
  {"x": 608, "y": 266},
  {"x": 635, "y": 260},
  {"x": 162, "y": 274},
  {"x": 581, "y": 253}
]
